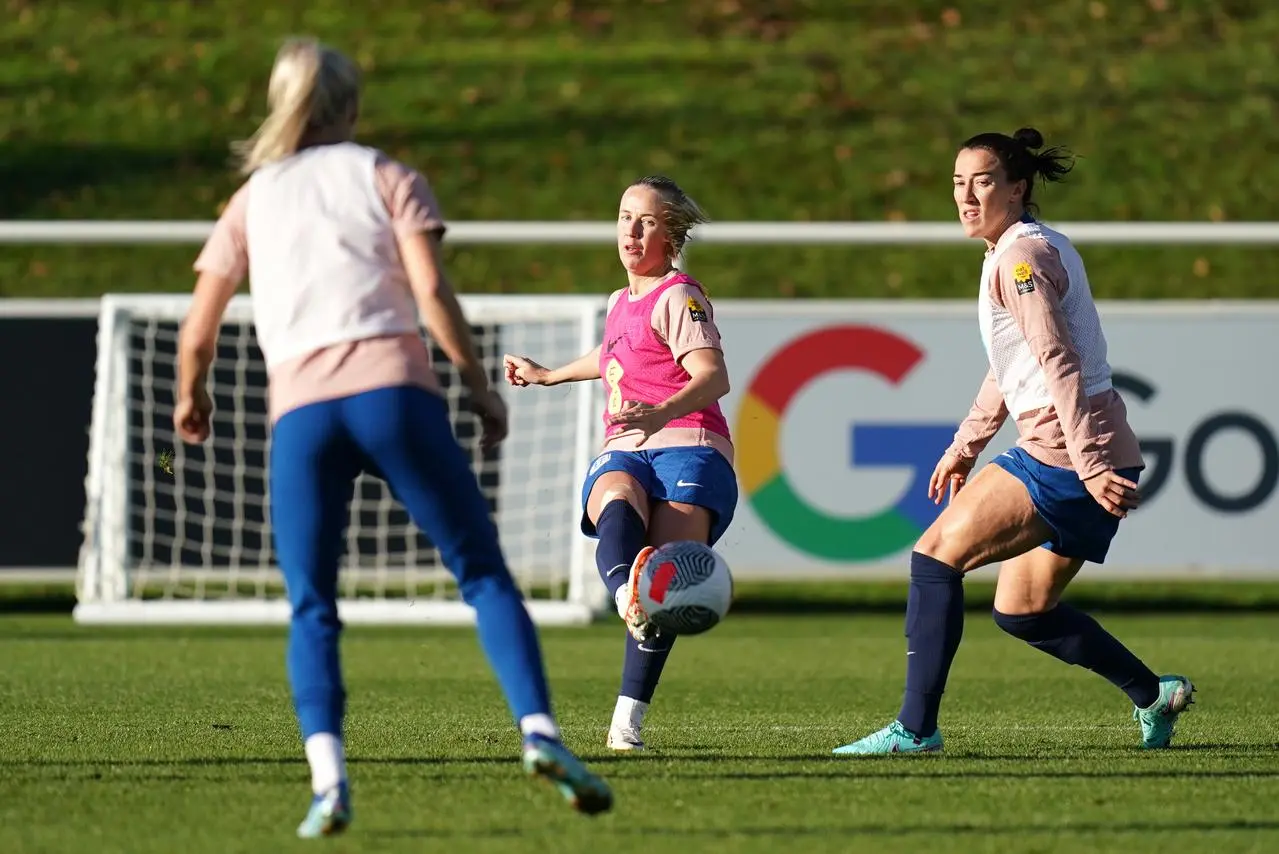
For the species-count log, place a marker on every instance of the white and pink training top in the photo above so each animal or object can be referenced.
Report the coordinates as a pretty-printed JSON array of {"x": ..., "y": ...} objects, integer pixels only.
[
  {"x": 1048, "y": 359},
  {"x": 316, "y": 233}
]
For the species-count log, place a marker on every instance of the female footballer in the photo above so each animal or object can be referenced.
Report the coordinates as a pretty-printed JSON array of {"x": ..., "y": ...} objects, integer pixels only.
[
  {"x": 1056, "y": 499},
  {"x": 341, "y": 245},
  {"x": 666, "y": 469}
]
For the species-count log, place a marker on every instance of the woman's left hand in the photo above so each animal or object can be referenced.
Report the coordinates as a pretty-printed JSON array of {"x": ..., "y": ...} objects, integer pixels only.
[
  {"x": 1113, "y": 492},
  {"x": 645, "y": 418}
]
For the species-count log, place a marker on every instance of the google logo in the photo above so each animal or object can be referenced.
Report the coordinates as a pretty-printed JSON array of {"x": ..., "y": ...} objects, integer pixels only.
[{"x": 915, "y": 446}]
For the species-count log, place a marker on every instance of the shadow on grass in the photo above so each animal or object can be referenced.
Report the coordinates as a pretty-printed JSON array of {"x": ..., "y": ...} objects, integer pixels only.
[
  {"x": 868, "y": 829},
  {"x": 821, "y": 764},
  {"x": 879, "y": 598}
]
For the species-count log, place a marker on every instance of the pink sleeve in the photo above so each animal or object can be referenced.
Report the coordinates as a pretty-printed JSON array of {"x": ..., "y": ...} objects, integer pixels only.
[
  {"x": 226, "y": 252},
  {"x": 984, "y": 420},
  {"x": 409, "y": 198},
  {"x": 683, "y": 319},
  {"x": 1030, "y": 282}
]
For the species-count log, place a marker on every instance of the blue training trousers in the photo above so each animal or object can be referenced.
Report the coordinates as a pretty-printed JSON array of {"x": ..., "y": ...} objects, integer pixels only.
[{"x": 401, "y": 434}]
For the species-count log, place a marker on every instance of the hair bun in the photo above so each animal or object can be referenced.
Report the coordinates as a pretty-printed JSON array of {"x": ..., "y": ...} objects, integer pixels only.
[{"x": 1029, "y": 137}]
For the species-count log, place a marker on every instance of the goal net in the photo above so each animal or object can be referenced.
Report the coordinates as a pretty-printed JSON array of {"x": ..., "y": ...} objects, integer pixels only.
[{"x": 178, "y": 533}]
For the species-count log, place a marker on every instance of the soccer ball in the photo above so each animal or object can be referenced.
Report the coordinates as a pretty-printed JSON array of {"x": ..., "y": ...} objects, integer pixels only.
[{"x": 685, "y": 588}]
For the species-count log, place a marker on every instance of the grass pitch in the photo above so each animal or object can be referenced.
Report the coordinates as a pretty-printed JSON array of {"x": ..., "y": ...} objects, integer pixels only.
[{"x": 138, "y": 741}]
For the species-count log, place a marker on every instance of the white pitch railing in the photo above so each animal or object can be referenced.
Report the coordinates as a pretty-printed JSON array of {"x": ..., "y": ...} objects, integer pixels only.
[
  {"x": 136, "y": 232},
  {"x": 139, "y": 232}
]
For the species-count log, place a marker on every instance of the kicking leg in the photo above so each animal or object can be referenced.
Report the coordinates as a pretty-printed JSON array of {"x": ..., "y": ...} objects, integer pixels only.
[
  {"x": 312, "y": 470},
  {"x": 990, "y": 520},
  {"x": 1028, "y": 606},
  {"x": 644, "y": 660},
  {"x": 618, "y": 508}
]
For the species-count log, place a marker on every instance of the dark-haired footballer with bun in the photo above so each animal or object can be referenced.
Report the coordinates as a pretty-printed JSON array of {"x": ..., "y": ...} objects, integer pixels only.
[{"x": 1054, "y": 500}]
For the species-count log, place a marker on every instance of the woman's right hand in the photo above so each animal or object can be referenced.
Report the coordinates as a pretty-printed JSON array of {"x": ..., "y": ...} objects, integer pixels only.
[
  {"x": 951, "y": 471},
  {"x": 193, "y": 415},
  {"x": 522, "y": 371}
]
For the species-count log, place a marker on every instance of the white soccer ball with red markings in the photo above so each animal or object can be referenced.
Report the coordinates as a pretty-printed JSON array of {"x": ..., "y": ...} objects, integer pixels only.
[{"x": 685, "y": 588}]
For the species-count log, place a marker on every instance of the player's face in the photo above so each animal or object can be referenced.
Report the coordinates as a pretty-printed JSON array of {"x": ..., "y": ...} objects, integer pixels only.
[
  {"x": 642, "y": 242},
  {"x": 988, "y": 202}
]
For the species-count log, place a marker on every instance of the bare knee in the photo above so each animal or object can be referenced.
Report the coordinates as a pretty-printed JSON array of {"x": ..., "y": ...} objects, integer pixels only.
[
  {"x": 1033, "y": 583},
  {"x": 621, "y": 488},
  {"x": 1025, "y": 602},
  {"x": 953, "y": 540}
]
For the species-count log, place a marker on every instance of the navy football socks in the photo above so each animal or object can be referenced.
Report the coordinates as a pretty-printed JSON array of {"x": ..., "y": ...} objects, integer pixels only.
[
  {"x": 621, "y": 536},
  {"x": 1068, "y": 634},
  {"x": 934, "y": 627},
  {"x": 642, "y": 666}
]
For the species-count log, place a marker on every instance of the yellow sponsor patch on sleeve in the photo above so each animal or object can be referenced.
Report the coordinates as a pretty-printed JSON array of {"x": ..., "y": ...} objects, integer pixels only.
[{"x": 1024, "y": 278}]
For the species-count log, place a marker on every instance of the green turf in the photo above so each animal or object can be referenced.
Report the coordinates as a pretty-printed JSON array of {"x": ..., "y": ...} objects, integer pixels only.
[
  {"x": 1172, "y": 595},
  {"x": 139, "y": 741},
  {"x": 544, "y": 109}
]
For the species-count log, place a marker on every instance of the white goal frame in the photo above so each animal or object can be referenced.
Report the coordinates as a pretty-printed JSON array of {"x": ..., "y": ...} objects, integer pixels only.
[{"x": 105, "y": 593}]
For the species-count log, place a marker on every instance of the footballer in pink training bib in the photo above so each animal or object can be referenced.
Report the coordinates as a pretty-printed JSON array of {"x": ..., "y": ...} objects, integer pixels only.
[
  {"x": 665, "y": 472},
  {"x": 689, "y": 460}
]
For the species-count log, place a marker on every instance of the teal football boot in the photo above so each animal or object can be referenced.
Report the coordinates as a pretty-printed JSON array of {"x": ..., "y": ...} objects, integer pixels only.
[
  {"x": 893, "y": 738},
  {"x": 1158, "y": 723},
  {"x": 555, "y": 763},
  {"x": 330, "y": 814}
]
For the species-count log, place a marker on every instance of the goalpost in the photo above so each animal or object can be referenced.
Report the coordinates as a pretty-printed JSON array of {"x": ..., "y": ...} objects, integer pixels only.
[{"x": 188, "y": 540}]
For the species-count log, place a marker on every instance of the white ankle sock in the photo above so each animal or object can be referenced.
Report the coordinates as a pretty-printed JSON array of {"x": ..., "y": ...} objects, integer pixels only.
[
  {"x": 327, "y": 760},
  {"x": 543, "y": 725},
  {"x": 629, "y": 712}
]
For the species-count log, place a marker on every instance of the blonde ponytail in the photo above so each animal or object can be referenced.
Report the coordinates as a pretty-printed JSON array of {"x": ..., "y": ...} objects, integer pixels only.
[{"x": 313, "y": 88}]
